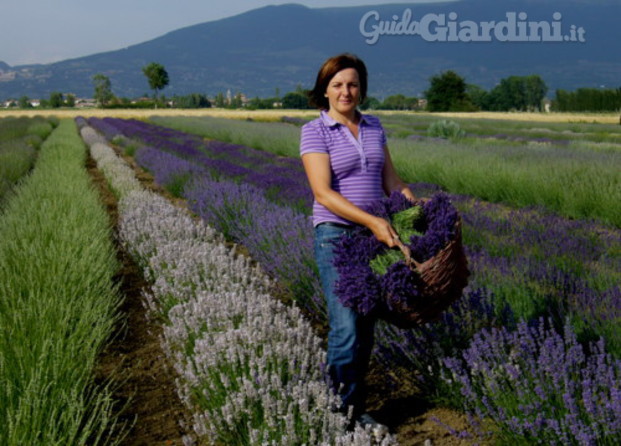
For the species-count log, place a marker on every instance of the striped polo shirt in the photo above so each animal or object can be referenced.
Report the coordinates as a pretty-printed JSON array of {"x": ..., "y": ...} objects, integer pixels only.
[{"x": 355, "y": 164}]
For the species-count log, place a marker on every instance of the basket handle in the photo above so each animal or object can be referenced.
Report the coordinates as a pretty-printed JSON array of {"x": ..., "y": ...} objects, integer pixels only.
[{"x": 409, "y": 261}]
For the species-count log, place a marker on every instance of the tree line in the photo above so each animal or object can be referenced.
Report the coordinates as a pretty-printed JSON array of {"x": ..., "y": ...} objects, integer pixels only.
[{"x": 448, "y": 91}]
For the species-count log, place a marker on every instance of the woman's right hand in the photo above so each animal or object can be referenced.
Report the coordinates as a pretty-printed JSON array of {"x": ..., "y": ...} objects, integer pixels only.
[{"x": 384, "y": 232}]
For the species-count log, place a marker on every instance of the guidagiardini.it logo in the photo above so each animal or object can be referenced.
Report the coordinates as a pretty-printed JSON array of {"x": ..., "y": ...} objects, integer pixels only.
[{"x": 515, "y": 27}]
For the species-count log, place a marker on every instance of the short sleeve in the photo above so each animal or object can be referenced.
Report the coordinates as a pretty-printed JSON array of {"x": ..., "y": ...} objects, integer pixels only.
[{"x": 311, "y": 140}]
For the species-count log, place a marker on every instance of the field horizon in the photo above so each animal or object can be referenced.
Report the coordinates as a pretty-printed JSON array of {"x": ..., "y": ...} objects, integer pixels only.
[{"x": 266, "y": 115}]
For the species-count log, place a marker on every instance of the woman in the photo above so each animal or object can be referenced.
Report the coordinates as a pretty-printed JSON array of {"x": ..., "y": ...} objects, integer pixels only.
[{"x": 348, "y": 166}]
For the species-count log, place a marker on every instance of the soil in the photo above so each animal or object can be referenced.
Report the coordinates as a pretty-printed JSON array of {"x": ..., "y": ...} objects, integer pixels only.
[{"x": 151, "y": 413}]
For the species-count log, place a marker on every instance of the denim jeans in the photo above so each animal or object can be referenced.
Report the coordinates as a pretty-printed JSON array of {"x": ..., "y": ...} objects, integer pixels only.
[{"x": 350, "y": 339}]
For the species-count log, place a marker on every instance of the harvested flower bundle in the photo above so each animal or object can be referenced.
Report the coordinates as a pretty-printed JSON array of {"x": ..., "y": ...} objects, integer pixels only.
[{"x": 412, "y": 285}]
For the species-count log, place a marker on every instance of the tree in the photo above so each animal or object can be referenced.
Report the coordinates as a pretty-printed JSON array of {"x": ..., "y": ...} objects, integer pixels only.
[
  {"x": 56, "y": 99},
  {"x": 103, "y": 89},
  {"x": 518, "y": 93},
  {"x": 536, "y": 90},
  {"x": 478, "y": 96},
  {"x": 262, "y": 103},
  {"x": 70, "y": 100},
  {"x": 220, "y": 100},
  {"x": 193, "y": 100},
  {"x": 236, "y": 101},
  {"x": 447, "y": 92},
  {"x": 370, "y": 103},
  {"x": 24, "y": 102},
  {"x": 399, "y": 102},
  {"x": 295, "y": 100},
  {"x": 157, "y": 77}
]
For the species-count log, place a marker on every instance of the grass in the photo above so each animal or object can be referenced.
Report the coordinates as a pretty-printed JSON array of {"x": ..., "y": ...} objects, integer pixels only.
[
  {"x": 576, "y": 183},
  {"x": 58, "y": 303},
  {"x": 275, "y": 137}
]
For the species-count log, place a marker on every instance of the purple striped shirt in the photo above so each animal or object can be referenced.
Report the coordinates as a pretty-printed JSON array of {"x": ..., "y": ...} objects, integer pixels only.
[{"x": 355, "y": 164}]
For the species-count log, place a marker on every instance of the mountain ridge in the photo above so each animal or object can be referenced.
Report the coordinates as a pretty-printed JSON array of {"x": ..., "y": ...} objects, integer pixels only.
[{"x": 281, "y": 47}]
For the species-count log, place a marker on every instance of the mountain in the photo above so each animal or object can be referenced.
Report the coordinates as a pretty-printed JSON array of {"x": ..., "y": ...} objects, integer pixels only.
[{"x": 283, "y": 46}]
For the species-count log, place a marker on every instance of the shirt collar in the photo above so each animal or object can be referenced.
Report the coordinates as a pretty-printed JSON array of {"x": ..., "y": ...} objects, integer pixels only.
[{"x": 331, "y": 122}]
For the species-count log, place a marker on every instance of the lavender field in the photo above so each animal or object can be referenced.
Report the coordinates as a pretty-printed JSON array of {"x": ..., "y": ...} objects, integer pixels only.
[{"x": 532, "y": 351}]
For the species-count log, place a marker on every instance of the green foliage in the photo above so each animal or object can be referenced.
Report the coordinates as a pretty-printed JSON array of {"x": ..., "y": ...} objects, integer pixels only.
[
  {"x": 156, "y": 75},
  {"x": 55, "y": 313},
  {"x": 56, "y": 99},
  {"x": 194, "y": 100},
  {"x": 370, "y": 103},
  {"x": 445, "y": 128},
  {"x": 70, "y": 100},
  {"x": 296, "y": 100},
  {"x": 407, "y": 223},
  {"x": 447, "y": 92},
  {"x": 522, "y": 93},
  {"x": 262, "y": 103},
  {"x": 573, "y": 182},
  {"x": 40, "y": 128},
  {"x": 276, "y": 137},
  {"x": 103, "y": 89},
  {"x": 588, "y": 99},
  {"x": 24, "y": 102},
  {"x": 220, "y": 100},
  {"x": 399, "y": 102}
]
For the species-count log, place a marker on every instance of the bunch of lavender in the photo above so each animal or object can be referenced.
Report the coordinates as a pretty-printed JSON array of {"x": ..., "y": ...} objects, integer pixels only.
[
  {"x": 541, "y": 387},
  {"x": 374, "y": 279}
]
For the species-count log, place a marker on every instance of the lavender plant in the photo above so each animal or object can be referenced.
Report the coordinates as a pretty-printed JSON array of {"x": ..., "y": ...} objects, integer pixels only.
[
  {"x": 59, "y": 306},
  {"x": 540, "y": 386},
  {"x": 424, "y": 348}
]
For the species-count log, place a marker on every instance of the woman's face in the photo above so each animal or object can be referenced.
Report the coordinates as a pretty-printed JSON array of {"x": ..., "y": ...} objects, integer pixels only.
[{"x": 343, "y": 91}]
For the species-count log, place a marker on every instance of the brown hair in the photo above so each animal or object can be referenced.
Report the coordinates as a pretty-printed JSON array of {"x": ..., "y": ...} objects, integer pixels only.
[{"x": 330, "y": 67}]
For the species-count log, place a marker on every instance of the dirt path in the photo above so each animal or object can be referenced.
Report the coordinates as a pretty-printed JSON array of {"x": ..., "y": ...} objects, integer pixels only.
[{"x": 146, "y": 392}]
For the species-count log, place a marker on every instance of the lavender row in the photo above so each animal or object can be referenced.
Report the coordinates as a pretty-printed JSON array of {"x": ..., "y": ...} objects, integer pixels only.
[{"x": 249, "y": 367}]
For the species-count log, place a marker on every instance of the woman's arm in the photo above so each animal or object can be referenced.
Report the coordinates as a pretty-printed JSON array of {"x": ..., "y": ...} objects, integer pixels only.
[
  {"x": 317, "y": 167},
  {"x": 390, "y": 179}
]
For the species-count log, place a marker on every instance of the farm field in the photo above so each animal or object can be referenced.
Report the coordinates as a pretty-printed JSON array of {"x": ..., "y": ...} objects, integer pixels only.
[{"x": 532, "y": 349}]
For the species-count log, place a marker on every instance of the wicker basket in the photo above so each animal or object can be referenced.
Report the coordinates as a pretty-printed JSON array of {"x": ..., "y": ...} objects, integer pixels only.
[{"x": 443, "y": 277}]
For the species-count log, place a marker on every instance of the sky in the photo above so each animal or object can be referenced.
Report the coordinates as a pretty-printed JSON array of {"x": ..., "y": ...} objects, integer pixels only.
[{"x": 45, "y": 31}]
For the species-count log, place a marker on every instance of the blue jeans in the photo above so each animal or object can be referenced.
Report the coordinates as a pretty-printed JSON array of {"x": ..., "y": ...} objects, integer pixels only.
[{"x": 350, "y": 339}]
